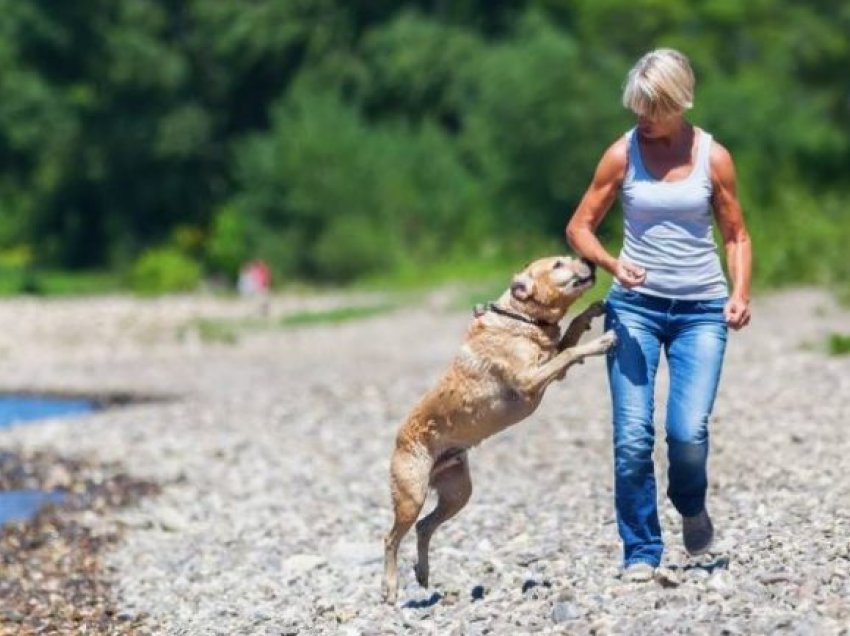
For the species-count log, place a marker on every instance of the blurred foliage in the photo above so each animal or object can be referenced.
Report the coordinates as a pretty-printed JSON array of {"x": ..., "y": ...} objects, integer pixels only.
[
  {"x": 27, "y": 280},
  {"x": 346, "y": 141},
  {"x": 164, "y": 270},
  {"x": 351, "y": 198},
  {"x": 838, "y": 344}
]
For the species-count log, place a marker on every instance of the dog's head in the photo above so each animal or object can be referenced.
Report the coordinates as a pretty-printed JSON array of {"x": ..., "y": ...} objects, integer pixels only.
[{"x": 546, "y": 288}]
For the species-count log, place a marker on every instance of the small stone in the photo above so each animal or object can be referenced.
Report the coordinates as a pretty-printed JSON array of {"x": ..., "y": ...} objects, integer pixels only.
[
  {"x": 768, "y": 578},
  {"x": 563, "y": 612},
  {"x": 451, "y": 597},
  {"x": 721, "y": 582},
  {"x": 358, "y": 553},
  {"x": 667, "y": 577},
  {"x": 484, "y": 546},
  {"x": 13, "y": 616},
  {"x": 602, "y": 625},
  {"x": 260, "y": 617},
  {"x": 345, "y": 615},
  {"x": 171, "y": 520},
  {"x": 299, "y": 564}
]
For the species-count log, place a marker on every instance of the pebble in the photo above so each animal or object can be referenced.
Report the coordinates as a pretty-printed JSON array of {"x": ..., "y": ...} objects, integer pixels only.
[
  {"x": 668, "y": 577},
  {"x": 298, "y": 564},
  {"x": 563, "y": 612}
]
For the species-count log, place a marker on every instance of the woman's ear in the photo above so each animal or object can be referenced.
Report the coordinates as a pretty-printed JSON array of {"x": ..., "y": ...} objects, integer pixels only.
[{"x": 522, "y": 287}]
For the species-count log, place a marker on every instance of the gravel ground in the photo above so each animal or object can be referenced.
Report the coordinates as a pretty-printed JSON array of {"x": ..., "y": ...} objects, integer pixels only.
[
  {"x": 273, "y": 466},
  {"x": 52, "y": 579}
]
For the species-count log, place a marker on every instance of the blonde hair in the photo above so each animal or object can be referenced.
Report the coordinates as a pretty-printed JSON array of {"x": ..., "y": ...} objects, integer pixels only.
[{"x": 660, "y": 84}]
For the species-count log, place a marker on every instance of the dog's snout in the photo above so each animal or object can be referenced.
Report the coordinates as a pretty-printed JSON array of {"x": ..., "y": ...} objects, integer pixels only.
[{"x": 590, "y": 264}]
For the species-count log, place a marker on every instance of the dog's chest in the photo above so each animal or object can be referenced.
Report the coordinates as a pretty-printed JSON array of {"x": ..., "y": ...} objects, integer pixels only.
[
  {"x": 513, "y": 355},
  {"x": 492, "y": 384}
]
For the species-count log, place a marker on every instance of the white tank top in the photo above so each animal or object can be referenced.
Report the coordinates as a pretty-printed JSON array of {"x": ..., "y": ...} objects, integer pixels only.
[{"x": 668, "y": 228}]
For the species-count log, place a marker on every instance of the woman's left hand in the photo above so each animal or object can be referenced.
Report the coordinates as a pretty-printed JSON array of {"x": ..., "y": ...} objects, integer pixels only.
[{"x": 737, "y": 312}]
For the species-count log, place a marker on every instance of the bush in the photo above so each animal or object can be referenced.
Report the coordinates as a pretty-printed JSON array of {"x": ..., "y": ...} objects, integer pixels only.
[
  {"x": 541, "y": 114},
  {"x": 799, "y": 238},
  {"x": 227, "y": 248},
  {"x": 164, "y": 270},
  {"x": 325, "y": 195},
  {"x": 838, "y": 344}
]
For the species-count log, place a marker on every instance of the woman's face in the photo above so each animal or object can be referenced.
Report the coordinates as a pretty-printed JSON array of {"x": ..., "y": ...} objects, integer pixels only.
[{"x": 659, "y": 126}]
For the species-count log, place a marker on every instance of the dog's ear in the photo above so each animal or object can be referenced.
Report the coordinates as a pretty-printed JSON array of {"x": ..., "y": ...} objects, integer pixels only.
[{"x": 522, "y": 287}]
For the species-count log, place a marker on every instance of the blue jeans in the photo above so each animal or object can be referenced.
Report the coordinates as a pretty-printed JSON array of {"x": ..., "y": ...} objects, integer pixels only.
[{"x": 693, "y": 335}]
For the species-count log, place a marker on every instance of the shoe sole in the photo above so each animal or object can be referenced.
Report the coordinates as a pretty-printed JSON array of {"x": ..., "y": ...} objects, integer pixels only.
[
  {"x": 702, "y": 550},
  {"x": 641, "y": 576}
]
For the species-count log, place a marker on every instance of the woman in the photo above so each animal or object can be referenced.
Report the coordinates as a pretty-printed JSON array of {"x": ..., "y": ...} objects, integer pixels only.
[{"x": 669, "y": 292}]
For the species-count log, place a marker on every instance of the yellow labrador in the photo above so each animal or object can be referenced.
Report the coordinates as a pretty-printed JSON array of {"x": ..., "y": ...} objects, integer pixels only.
[{"x": 511, "y": 352}]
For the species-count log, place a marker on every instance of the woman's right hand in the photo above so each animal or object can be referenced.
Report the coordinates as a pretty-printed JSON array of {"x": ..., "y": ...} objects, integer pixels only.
[{"x": 629, "y": 275}]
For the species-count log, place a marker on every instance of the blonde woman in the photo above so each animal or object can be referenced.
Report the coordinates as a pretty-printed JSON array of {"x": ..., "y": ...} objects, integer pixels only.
[{"x": 669, "y": 293}]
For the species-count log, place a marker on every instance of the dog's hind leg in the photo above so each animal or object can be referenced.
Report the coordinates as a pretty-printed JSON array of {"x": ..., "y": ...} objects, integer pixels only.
[
  {"x": 454, "y": 487},
  {"x": 409, "y": 474}
]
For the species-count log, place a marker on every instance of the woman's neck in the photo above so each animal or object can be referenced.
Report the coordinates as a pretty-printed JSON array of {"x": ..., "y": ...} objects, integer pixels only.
[{"x": 678, "y": 134}]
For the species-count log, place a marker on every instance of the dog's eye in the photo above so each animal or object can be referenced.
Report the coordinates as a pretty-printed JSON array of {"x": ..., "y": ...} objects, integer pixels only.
[{"x": 558, "y": 264}]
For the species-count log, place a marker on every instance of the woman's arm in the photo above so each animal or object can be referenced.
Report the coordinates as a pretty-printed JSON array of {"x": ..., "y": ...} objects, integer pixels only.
[
  {"x": 730, "y": 221},
  {"x": 594, "y": 205}
]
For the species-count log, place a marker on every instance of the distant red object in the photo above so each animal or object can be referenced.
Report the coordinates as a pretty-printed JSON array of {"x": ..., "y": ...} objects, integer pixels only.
[{"x": 255, "y": 278}]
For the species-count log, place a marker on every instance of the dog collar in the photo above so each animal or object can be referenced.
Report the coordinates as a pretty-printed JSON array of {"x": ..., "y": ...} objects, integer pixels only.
[{"x": 483, "y": 308}]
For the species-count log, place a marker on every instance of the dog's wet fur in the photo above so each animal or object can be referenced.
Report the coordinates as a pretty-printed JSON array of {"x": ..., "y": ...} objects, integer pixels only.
[{"x": 510, "y": 354}]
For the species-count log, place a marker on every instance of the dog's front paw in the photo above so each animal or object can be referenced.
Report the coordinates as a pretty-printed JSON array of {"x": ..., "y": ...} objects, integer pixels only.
[
  {"x": 389, "y": 592},
  {"x": 603, "y": 343},
  {"x": 594, "y": 310},
  {"x": 607, "y": 341}
]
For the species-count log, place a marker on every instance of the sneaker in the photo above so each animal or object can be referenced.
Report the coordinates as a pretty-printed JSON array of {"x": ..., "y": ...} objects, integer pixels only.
[
  {"x": 638, "y": 573},
  {"x": 697, "y": 533}
]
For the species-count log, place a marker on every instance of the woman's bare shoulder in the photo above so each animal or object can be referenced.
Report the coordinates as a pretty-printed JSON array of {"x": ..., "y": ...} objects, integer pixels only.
[
  {"x": 720, "y": 162},
  {"x": 619, "y": 150},
  {"x": 615, "y": 159}
]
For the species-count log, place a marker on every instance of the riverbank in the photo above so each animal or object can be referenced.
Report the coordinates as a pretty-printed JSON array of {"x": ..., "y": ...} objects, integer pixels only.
[{"x": 272, "y": 457}]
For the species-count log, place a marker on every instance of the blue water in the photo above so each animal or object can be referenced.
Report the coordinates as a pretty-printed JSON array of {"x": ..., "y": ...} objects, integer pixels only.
[
  {"x": 20, "y": 505},
  {"x": 23, "y": 408}
]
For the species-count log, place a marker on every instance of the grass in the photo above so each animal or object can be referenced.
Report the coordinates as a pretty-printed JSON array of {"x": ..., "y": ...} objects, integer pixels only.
[
  {"x": 838, "y": 344},
  {"x": 216, "y": 331},
  {"x": 337, "y": 315},
  {"x": 16, "y": 281},
  {"x": 228, "y": 331},
  {"x": 842, "y": 293}
]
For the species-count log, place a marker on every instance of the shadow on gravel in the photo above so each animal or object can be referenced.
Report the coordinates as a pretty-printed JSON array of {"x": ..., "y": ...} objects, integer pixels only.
[
  {"x": 475, "y": 594},
  {"x": 719, "y": 563},
  {"x": 530, "y": 584},
  {"x": 432, "y": 600}
]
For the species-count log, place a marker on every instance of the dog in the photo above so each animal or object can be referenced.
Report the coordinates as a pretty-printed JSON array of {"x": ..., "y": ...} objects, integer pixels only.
[{"x": 511, "y": 352}]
